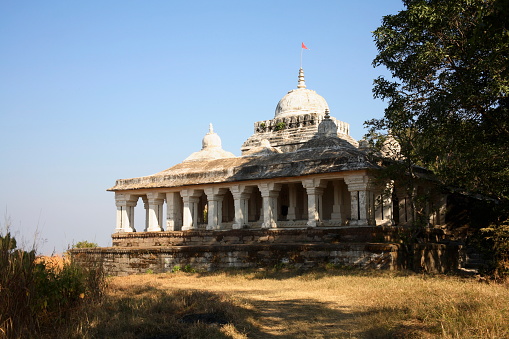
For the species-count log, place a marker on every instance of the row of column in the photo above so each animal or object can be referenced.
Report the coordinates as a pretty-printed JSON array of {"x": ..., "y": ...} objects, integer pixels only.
[{"x": 183, "y": 206}]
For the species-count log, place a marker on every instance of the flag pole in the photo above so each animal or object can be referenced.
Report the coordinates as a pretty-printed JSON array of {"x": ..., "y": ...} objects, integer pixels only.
[{"x": 301, "y": 50}]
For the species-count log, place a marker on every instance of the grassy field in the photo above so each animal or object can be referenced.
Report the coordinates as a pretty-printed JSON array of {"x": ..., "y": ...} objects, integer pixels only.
[{"x": 278, "y": 304}]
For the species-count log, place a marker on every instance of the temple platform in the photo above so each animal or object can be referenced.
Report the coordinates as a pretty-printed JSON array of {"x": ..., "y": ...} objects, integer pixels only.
[{"x": 201, "y": 250}]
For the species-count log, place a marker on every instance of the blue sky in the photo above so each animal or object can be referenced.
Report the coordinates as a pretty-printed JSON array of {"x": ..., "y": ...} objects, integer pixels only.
[{"x": 94, "y": 91}]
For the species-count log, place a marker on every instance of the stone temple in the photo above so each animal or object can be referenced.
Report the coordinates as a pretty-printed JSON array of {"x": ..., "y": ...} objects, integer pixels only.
[{"x": 301, "y": 193}]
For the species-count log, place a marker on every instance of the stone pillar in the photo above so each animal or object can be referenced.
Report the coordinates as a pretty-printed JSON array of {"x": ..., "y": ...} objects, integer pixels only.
[
  {"x": 155, "y": 211},
  {"x": 361, "y": 199},
  {"x": 125, "y": 212},
  {"x": 270, "y": 192},
  {"x": 173, "y": 208},
  {"x": 387, "y": 204},
  {"x": 214, "y": 207},
  {"x": 336, "y": 208},
  {"x": 383, "y": 209},
  {"x": 147, "y": 213},
  {"x": 252, "y": 208},
  {"x": 190, "y": 198},
  {"x": 314, "y": 189},
  {"x": 403, "y": 216},
  {"x": 442, "y": 209},
  {"x": 292, "y": 202},
  {"x": 241, "y": 195}
]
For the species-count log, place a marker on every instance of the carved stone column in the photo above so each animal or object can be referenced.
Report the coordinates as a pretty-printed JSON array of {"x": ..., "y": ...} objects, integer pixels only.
[
  {"x": 125, "y": 212},
  {"x": 241, "y": 195},
  {"x": 314, "y": 189},
  {"x": 155, "y": 211},
  {"x": 270, "y": 193},
  {"x": 336, "y": 215},
  {"x": 173, "y": 212},
  {"x": 292, "y": 202},
  {"x": 214, "y": 207},
  {"x": 190, "y": 198},
  {"x": 361, "y": 200},
  {"x": 145, "y": 206}
]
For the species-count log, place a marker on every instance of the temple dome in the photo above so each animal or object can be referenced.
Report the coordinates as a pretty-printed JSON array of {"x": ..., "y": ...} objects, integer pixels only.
[
  {"x": 211, "y": 148},
  {"x": 301, "y": 101},
  {"x": 211, "y": 139}
]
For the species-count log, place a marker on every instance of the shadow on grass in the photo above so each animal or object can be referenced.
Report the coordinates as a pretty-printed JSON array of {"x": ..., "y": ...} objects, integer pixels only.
[
  {"x": 308, "y": 274},
  {"x": 152, "y": 313}
]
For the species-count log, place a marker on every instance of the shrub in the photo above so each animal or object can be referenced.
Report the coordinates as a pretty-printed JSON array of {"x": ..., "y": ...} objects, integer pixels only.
[
  {"x": 495, "y": 245},
  {"x": 39, "y": 297},
  {"x": 85, "y": 244},
  {"x": 280, "y": 126}
]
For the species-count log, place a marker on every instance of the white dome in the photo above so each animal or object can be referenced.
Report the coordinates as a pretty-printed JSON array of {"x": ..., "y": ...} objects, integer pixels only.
[
  {"x": 301, "y": 101},
  {"x": 211, "y": 148},
  {"x": 211, "y": 139}
]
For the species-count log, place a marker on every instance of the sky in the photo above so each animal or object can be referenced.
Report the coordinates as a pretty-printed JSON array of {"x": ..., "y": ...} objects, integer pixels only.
[{"x": 95, "y": 91}]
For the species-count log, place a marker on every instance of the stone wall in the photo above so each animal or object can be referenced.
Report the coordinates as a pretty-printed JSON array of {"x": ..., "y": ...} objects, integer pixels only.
[
  {"x": 120, "y": 262},
  {"x": 289, "y": 133},
  {"x": 261, "y": 236},
  {"x": 361, "y": 247}
]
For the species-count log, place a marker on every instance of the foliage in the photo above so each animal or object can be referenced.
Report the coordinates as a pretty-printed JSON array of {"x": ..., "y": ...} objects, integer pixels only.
[
  {"x": 448, "y": 98},
  {"x": 448, "y": 104},
  {"x": 85, "y": 244},
  {"x": 279, "y": 126},
  {"x": 496, "y": 241},
  {"x": 186, "y": 268},
  {"x": 39, "y": 297}
]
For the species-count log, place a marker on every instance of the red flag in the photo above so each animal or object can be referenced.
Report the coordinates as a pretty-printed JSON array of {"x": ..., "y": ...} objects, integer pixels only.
[{"x": 304, "y": 46}]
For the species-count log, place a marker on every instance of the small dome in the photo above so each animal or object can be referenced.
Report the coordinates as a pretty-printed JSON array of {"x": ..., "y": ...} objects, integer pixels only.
[
  {"x": 328, "y": 127},
  {"x": 211, "y": 148},
  {"x": 301, "y": 101},
  {"x": 211, "y": 139}
]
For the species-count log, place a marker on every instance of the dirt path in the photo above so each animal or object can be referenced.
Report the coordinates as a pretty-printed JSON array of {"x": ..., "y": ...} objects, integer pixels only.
[{"x": 287, "y": 308}]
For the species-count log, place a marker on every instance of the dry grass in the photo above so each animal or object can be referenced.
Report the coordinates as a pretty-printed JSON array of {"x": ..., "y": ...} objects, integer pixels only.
[{"x": 328, "y": 304}]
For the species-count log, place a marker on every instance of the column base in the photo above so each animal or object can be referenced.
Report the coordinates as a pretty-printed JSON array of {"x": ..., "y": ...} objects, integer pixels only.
[
  {"x": 121, "y": 230},
  {"x": 314, "y": 223},
  {"x": 269, "y": 225},
  {"x": 361, "y": 222}
]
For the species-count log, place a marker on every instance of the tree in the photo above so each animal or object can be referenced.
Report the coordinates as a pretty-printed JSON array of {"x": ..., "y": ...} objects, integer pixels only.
[{"x": 448, "y": 103}]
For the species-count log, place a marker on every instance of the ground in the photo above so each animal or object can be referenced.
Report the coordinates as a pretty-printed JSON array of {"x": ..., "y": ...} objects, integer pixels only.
[{"x": 319, "y": 304}]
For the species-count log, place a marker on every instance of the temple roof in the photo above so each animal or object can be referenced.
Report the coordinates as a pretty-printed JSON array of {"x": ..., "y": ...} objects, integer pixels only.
[
  {"x": 323, "y": 155},
  {"x": 302, "y": 140}
]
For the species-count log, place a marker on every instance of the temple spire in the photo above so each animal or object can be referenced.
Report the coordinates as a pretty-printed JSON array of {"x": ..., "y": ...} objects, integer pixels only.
[
  {"x": 211, "y": 128},
  {"x": 301, "y": 83}
]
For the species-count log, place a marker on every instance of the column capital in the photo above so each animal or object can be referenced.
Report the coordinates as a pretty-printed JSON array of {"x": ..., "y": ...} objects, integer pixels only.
[
  {"x": 314, "y": 183},
  {"x": 188, "y": 193},
  {"x": 213, "y": 192},
  {"x": 241, "y": 191},
  {"x": 357, "y": 182},
  {"x": 125, "y": 197},
  {"x": 266, "y": 189},
  {"x": 156, "y": 198}
]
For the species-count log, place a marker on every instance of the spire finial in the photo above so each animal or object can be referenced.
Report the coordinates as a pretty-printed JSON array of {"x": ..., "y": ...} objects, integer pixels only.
[
  {"x": 211, "y": 128},
  {"x": 301, "y": 83}
]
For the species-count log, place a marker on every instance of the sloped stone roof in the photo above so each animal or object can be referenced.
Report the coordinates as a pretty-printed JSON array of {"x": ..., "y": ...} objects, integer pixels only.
[{"x": 318, "y": 156}]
